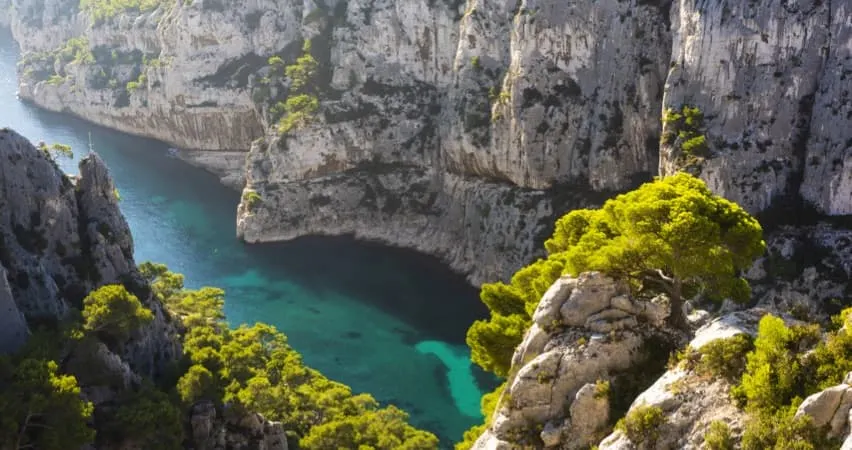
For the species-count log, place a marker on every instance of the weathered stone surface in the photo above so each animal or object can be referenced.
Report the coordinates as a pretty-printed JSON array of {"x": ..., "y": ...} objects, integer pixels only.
[
  {"x": 822, "y": 405},
  {"x": 556, "y": 366},
  {"x": 592, "y": 295},
  {"x": 212, "y": 430},
  {"x": 13, "y": 326},
  {"x": 805, "y": 269},
  {"x": 491, "y": 107},
  {"x": 60, "y": 240},
  {"x": 547, "y": 313},
  {"x": 589, "y": 415}
]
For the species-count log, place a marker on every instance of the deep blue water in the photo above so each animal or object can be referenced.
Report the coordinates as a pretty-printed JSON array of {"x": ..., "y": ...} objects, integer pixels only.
[{"x": 386, "y": 321}]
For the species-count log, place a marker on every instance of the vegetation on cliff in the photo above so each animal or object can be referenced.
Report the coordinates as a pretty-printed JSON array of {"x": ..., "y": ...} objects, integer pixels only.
[
  {"x": 245, "y": 370},
  {"x": 671, "y": 236},
  {"x": 254, "y": 369}
]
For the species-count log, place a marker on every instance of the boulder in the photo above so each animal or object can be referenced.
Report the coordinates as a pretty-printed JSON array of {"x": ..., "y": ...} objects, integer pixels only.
[
  {"x": 592, "y": 294},
  {"x": 589, "y": 415}
]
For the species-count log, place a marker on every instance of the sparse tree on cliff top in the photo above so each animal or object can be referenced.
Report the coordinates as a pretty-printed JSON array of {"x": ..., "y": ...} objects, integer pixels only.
[{"x": 672, "y": 236}]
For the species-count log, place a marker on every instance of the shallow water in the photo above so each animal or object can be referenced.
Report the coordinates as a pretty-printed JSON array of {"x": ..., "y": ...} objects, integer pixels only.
[{"x": 386, "y": 321}]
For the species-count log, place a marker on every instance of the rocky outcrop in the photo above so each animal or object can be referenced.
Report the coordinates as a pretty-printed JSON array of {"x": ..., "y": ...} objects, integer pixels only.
[
  {"x": 61, "y": 238},
  {"x": 806, "y": 271},
  {"x": 691, "y": 401},
  {"x": 212, "y": 430},
  {"x": 494, "y": 108},
  {"x": 586, "y": 331},
  {"x": 830, "y": 408}
]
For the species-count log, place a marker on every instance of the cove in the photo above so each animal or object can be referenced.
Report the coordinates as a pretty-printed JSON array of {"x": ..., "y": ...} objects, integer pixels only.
[{"x": 386, "y": 321}]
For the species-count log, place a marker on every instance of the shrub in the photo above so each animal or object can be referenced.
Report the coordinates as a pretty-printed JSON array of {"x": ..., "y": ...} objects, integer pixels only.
[
  {"x": 113, "y": 311},
  {"x": 55, "y": 80},
  {"x": 602, "y": 389},
  {"x": 725, "y": 358},
  {"x": 642, "y": 424},
  {"x": 149, "y": 419},
  {"x": 783, "y": 431},
  {"x": 299, "y": 112},
  {"x": 773, "y": 375},
  {"x": 252, "y": 199},
  {"x": 718, "y": 437},
  {"x": 40, "y": 407}
]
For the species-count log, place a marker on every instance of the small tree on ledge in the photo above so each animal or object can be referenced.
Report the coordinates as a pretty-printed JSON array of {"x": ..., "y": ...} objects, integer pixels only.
[
  {"x": 113, "y": 311},
  {"x": 672, "y": 235}
]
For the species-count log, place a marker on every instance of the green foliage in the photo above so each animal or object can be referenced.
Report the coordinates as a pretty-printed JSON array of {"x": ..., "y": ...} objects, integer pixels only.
[
  {"x": 113, "y": 311},
  {"x": 374, "y": 429},
  {"x": 141, "y": 81},
  {"x": 149, "y": 419},
  {"x": 197, "y": 383},
  {"x": 300, "y": 112},
  {"x": 773, "y": 376},
  {"x": 300, "y": 108},
  {"x": 781, "y": 430},
  {"x": 56, "y": 149},
  {"x": 76, "y": 51},
  {"x": 671, "y": 235},
  {"x": 254, "y": 369},
  {"x": 725, "y": 358},
  {"x": 602, "y": 389},
  {"x": 55, "y": 80},
  {"x": 165, "y": 284},
  {"x": 251, "y": 199},
  {"x": 41, "y": 408},
  {"x": 718, "y": 437},
  {"x": 302, "y": 73},
  {"x": 684, "y": 127},
  {"x": 100, "y": 10},
  {"x": 780, "y": 371},
  {"x": 831, "y": 360},
  {"x": 116, "y": 195},
  {"x": 642, "y": 424},
  {"x": 475, "y": 63}
]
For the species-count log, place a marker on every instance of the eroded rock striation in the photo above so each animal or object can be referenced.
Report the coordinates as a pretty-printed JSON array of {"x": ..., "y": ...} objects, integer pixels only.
[
  {"x": 485, "y": 119},
  {"x": 586, "y": 331}
]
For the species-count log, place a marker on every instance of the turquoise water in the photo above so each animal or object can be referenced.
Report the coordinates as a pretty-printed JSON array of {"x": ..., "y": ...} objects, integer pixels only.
[{"x": 385, "y": 321}]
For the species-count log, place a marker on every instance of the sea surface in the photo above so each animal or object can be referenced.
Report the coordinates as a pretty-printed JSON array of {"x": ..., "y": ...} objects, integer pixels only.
[{"x": 386, "y": 321}]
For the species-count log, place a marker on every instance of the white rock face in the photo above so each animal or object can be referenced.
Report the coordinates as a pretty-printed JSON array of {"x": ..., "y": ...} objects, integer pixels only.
[
  {"x": 508, "y": 113},
  {"x": 832, "y": 408},
  {"x": 689, "y": 401},
  {"x": 555, "y": 371},
  {"x": 767, "y": 79}
]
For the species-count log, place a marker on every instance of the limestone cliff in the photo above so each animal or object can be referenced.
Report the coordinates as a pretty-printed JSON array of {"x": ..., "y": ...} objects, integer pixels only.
[
  {"x": 481, "y": 119},
  {"x": 62, "y": 237}
]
